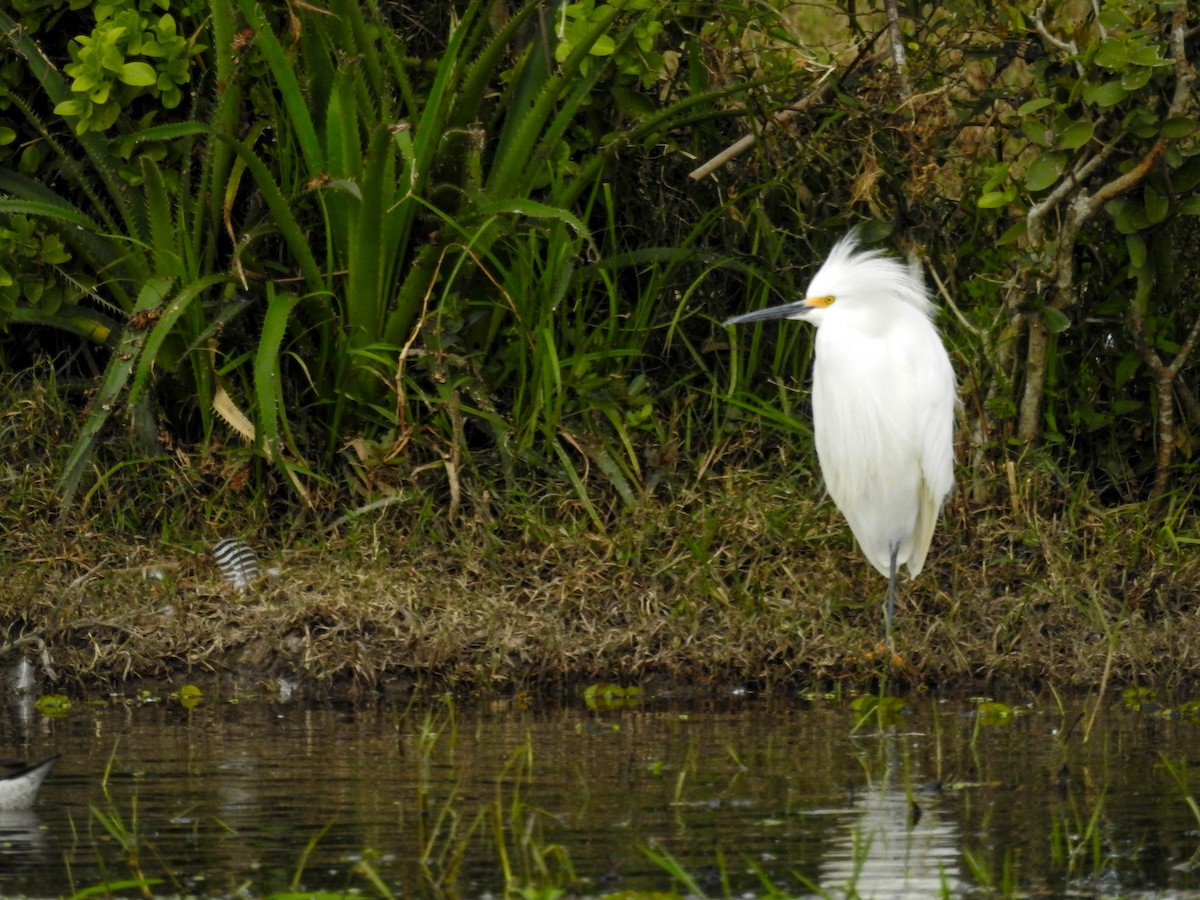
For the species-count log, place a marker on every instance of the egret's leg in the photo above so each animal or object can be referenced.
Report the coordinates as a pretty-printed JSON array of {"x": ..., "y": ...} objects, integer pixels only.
[{"x": 889, "y": 609}]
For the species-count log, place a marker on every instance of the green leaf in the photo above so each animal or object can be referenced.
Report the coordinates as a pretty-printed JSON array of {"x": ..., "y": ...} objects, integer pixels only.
[
  {"x": 1032, "y": 106},
  {"x": 163, "y": 328},
  {"x": 1016, "y": 232},
  {"x": 1143, "y": 124},
  {"x": 1076, "y": 136},
  {"x": 1136, "y": 247},
  {"x": 1113, "y": 17},
  {"x": 48, "y": 209},
  {"x": 267, "y": 389},
  {"x": 169, "y": 132},
  {"x": 992, "y": 713},
  {"x": 138, "y": 74},
  {"x": 1037, "y": 132},
  {"x": 33, "y": 290},
  {"x": 994, "y": 200},
  {"x": 1112, "y": 55},
  {"x": 1157, "y": 205},
  {"x": 1177, "y": 127},
  {"x": 285, "y": 217},
  {"x": 1108, "y": 94},
  {"x": 116, "y": 374},
  {"x": 1045, "y": 170},
  {"x": 1148, "y": 56},
  {"x": 1128, "y": 216},
  {"x": 1137, "y": 78},
  {"x": 295, "y": 99},
  {"x": 1186, "y": 178},
  {"x": 1056, "y": 320},
  {"x": 603, "y": 46},
  {"x": 1127, "y": 366},
  {"x": 1190, "y": 207},
  {"x": 633, "y": 104},
  {"x": 537, "y": 210}
]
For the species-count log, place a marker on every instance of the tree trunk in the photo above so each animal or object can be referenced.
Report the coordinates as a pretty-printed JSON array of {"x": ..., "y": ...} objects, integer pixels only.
[
  {"x": 1165, "y": 376},
  {"x": 896, "y": 39},
  {"x": 1029, "y": 420}
]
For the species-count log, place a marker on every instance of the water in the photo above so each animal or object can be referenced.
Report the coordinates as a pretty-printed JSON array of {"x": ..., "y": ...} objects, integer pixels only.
[{"x": 254, "y": 797}]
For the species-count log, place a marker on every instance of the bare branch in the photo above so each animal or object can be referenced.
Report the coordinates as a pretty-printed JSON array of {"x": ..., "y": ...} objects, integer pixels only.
[
  {"x": 1185, "y": 72},
  {"x": 896, "y": 40},
  {"x": 1189, "y": 344},
  {"x": 1069, "y": 185},
  {"x": 824, "y": 86},
  {"x": 1067, "y": 47},
  {"x": 949, "y": 300},
  {"x": 745, "y": 142},
  {"x": 1130, "y": 179}
]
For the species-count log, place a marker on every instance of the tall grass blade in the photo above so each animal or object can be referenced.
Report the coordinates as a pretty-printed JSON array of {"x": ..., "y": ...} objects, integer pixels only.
[
  {"x": 298, "y": 118},
  {"x": 283, "y": 216},
  {"x": 267, "y": 387},
  {"x": 165, "y": 327},
  {"x": 116, "y": 375}
]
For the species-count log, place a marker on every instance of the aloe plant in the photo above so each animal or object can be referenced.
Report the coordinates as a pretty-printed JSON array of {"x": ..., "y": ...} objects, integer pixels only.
[
  {"x": 420, "y": 249},
  {"x": 432, "y": 236}
]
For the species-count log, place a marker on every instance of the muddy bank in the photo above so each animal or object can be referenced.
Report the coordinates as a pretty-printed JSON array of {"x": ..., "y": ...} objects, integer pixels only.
[{"x": 742, "y": 582}]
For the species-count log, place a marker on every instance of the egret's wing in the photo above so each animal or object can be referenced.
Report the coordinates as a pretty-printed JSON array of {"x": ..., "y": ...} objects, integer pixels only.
[
  {"x": 864, "y": 398},
  {"x": 936, "y": 416}
]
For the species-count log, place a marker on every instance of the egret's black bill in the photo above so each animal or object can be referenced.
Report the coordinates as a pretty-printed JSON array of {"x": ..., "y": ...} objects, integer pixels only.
[{"x": 794, "y": 310}]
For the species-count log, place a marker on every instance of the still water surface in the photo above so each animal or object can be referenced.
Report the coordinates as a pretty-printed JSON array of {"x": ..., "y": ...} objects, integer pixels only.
[{"x": 253, "y": 797}]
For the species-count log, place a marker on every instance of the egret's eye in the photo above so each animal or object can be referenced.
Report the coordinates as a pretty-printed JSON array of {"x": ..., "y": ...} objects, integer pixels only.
[{"x": 819, "y": 302}]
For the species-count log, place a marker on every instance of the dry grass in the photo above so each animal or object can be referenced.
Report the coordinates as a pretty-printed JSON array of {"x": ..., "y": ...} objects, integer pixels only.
[{"x": 734, "y": 578}]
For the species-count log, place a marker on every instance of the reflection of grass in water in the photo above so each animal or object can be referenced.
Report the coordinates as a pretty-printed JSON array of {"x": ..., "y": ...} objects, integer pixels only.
[
  {"x": 532, "y": 868},
  {"x": 447, "y": 832},
  {"x": 452, "y": 826},
  {"x": 1178, "y": 770},
  {"x": 125, "y": 835},
  {"x": 442, "y": 832},
  {"x": 1074, "y": 839},
  {"x": 665, "y": 860},
  {"x": 1003, "y": 885}
]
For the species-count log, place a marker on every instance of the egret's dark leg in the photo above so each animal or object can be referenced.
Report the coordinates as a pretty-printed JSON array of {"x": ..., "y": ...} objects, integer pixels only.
[{"x": 889, "y": 609}]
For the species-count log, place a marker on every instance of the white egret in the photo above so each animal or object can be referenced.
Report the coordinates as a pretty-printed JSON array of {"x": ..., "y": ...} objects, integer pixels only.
[{"x": 883, "y": 399}]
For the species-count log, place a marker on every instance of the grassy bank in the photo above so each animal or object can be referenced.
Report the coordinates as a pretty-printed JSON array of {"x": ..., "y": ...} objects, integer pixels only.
[{"x": 726, "y": 575}]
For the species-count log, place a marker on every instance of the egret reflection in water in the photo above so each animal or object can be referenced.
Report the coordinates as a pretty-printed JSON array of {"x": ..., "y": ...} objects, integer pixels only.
[{"x": 896, "y": 842}]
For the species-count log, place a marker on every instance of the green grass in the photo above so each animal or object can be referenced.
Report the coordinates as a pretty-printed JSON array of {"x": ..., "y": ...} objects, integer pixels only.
[{"x": 723, "y": 572}]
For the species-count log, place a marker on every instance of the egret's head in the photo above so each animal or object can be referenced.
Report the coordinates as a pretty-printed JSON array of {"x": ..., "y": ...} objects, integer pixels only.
[{"x": 850, "y": 279}]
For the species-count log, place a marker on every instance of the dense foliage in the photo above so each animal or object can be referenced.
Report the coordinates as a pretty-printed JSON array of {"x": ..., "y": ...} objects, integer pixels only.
[{"x": 455, "y": 247}]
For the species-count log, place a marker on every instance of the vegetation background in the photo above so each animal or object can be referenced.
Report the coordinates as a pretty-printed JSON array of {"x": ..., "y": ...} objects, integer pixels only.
[{"x": 430, "y": 295}]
